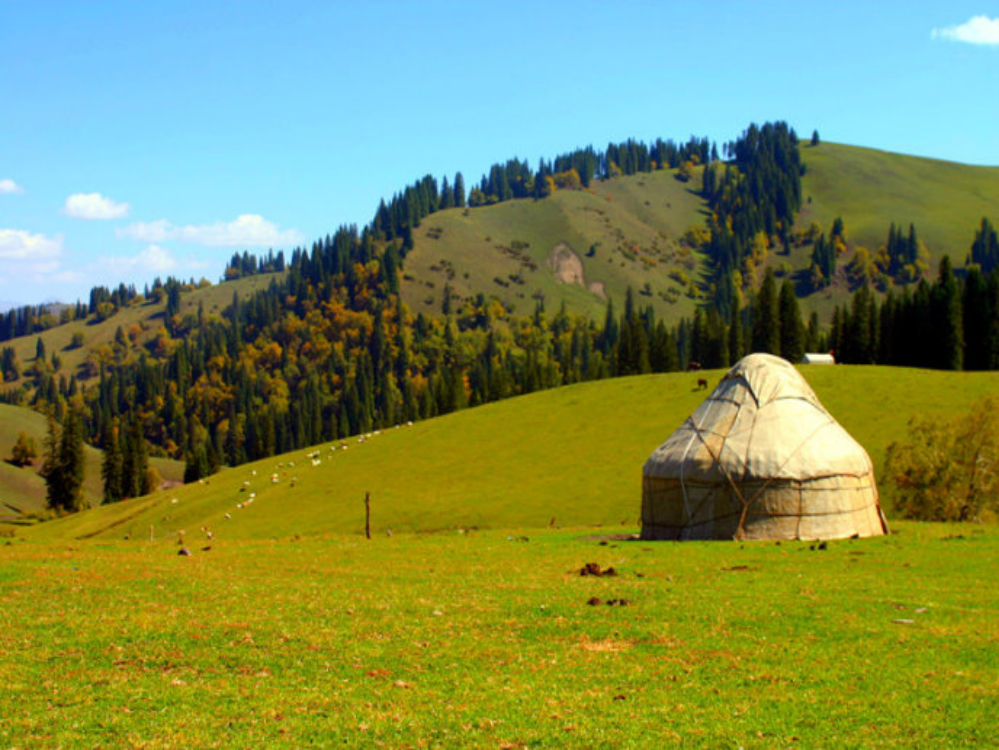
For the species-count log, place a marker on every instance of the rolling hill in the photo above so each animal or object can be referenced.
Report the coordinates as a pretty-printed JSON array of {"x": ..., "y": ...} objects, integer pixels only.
[
  {"x": 576, "y": 246},
  {"x": 871, "y": 189},
  {"x": 625, "y": 231},
  {"x": 140, "y": 320},
  {"x": 582, "y": 246},
  {"x": 572, "y": 454},
  {"x": 22, "y": 490}
]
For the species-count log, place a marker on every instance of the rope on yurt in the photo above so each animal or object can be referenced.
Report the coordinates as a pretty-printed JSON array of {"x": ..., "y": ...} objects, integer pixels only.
[{"x": 745, "y": 510}]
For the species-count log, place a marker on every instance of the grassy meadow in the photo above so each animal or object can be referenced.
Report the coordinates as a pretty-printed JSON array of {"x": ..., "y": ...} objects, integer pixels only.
[
  {"x": 464, "y": 620},
  {"x": 572, "y": 454},
  {"x": 489, "y": 639}
]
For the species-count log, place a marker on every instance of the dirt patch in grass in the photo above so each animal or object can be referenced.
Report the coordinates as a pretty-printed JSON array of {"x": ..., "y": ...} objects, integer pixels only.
[{"x": 567, "y": 266}]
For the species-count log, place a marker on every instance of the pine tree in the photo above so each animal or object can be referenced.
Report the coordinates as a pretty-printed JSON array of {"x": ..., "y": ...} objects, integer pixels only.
[
  {"x": 985, "y": 248},
  {"x": 135, "y": 459},
  {"x": 609, "y": 334},
  {"x": 859, "y": 347},
  {"x": 792, "y": 330},
  {"x": 977, "y": 316},
  {"x": 814, "y": 333},
  {"x": 766, "y": 321},
  {"x": 64, "y": 464},
  {"x": 111, "y": 467},
  {"x": 949, "y": 333}
]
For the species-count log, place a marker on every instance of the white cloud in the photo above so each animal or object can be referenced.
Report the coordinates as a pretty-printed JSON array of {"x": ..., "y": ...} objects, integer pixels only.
[
  {"x": 94, "y": 206},
  {"x": 247, "y": 230},
  {"x": 31, "y": 258},
  {"x": 67, "y": 277},
  {"x": 976, "y": 30},
  {"x": 9, "y": 187},
  {"x": 18, "y": 245},
  {"x": 154, "y": 259}
]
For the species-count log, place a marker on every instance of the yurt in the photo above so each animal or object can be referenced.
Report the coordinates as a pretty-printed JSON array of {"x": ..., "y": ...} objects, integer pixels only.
[{"x": 760, "y": 459}]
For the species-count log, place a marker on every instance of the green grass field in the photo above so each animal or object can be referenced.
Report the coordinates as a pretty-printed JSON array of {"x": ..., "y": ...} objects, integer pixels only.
[
  {"x": 486, "y": 639},
  {"x": 574, "y": 454},
  {"x": 470, "y": 625}
]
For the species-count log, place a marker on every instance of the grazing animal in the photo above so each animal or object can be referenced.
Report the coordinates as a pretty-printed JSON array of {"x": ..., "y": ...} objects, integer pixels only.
[
  {"x": 693, "y": 366},
  {"x": 702, "y": 384}
]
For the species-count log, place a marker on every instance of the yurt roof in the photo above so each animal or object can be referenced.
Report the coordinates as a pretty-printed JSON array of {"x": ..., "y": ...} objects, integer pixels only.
[{"x": 763, "y": 421}]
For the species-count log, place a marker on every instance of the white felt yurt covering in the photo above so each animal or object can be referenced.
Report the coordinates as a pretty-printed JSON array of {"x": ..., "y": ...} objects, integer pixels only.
[{"x": 760, "y": 459}]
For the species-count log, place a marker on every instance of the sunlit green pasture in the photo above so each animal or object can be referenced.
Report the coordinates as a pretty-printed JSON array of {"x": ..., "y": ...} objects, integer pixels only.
[
  {"x": 487, "y": 639},
  {"x": 571, "y": 454}
]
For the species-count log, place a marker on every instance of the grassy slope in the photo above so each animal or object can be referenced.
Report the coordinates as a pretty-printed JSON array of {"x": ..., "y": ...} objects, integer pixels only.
[
  {"x": 574, "y": 454},
  {"x": 647, "y": 211},
  {"x": 24, "y": 489},
  {"x": 870, "y": 189},
  {"x": 148, "y": 316},
  {"x": 486, "y": 640}
]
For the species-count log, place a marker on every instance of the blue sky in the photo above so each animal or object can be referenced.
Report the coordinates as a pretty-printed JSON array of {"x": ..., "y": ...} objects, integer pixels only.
[{"x": 157, "y": 138}]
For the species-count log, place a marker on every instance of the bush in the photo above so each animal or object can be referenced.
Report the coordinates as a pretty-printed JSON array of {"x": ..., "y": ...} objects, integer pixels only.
[
  {"x": 24, "y": 451},
  {"x": 949, "y": 470}
]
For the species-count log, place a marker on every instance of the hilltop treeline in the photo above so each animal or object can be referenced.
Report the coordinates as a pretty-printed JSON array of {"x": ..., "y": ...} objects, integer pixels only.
[
  {"x": 516, "y": 179},
  {"x": 103, "y": 303}
]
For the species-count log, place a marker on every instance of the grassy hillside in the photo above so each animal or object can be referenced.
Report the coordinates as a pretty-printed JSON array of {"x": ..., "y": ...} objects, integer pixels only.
[
  {"x": 492, "y": 639},
  {"x": 574, "y": 454},
  {"x": 22, "y": 490},
  {"x": 633, "y": 224},
  {"x": 870, "y": 189},
  {"x": 621, "y": 232},
  {"x": 146, "y": 319}
]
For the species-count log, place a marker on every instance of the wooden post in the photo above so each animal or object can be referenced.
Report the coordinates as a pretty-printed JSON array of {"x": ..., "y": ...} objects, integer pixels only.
[{"x": 367, "y": 515}]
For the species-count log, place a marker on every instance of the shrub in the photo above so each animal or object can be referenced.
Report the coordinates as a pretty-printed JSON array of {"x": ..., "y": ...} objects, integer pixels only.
[
  {"x": 949, "y": 470},
  {"x": 24, "y": 451}
]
